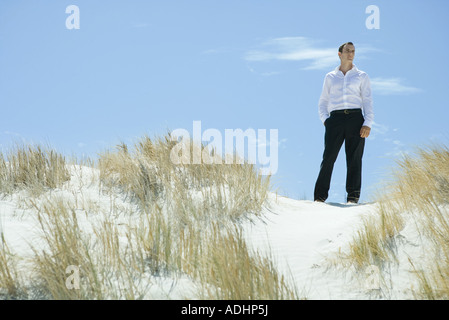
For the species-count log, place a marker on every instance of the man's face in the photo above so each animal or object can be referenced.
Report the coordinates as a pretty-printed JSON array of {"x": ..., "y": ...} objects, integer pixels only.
[{"x": 348, "y": 53}]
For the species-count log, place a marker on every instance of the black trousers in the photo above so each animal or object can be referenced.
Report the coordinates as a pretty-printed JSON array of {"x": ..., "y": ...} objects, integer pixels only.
[{"x": 342, "y": 127}]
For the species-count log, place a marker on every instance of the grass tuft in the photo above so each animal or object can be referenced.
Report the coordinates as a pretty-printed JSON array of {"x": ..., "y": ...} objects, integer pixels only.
[{"x": 33, "y": 168}]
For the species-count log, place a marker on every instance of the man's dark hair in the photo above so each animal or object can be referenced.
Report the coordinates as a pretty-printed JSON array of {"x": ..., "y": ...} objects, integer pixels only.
[{"x": 343, "y": 45}]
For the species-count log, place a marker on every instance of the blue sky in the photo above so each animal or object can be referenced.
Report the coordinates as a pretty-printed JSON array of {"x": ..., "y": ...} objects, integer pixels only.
[{"x": 145, "y": 67}]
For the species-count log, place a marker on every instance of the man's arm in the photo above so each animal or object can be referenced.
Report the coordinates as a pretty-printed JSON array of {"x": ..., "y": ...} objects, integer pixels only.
[
  {"x": 367, "y": 107},
  {"x": 323, "y": 103}
]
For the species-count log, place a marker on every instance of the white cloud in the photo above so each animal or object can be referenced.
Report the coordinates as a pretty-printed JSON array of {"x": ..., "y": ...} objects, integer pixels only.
[
  {"x": 378, "y": 129},
  {"x": 317, "y": 57},
  {"x": 303, "y": 49},
  {"x": 295, "y": 49},
  {"x": 394, "y": 147},
  {"x": 265, "y": 74},
  {"x": 391, "y": 86}
]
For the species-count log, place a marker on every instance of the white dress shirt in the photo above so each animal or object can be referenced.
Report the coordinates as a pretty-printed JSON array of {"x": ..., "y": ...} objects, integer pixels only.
[{"x": 350, "y": 91}]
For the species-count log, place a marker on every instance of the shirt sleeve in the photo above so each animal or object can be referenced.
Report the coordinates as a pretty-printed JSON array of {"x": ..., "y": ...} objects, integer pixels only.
[
  {"x": 323, "y": 103},
  {"x": 367, "y": 102}
]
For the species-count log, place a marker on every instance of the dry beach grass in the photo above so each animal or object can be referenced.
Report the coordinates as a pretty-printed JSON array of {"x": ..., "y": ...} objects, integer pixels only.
[
  {"x": 417, "y": 194},
  {"x": 181, "y": 221},
  {"x": 135, "y": 217}
]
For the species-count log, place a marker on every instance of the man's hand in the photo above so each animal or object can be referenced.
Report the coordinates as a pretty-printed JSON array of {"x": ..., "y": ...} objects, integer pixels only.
[{"x": 365, "y": 131}]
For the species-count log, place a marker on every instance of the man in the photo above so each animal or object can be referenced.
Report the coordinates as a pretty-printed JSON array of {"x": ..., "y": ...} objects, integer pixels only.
[{"x": 346, "y": 109}]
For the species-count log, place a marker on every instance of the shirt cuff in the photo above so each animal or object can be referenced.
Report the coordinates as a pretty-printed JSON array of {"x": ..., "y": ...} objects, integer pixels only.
[{"x": 368, "y": 124}]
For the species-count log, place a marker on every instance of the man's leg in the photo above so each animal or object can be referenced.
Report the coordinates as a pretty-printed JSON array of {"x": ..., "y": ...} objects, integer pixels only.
[
  {"x": 354, "y": 146},
  {"x": 333, "y": 140}
]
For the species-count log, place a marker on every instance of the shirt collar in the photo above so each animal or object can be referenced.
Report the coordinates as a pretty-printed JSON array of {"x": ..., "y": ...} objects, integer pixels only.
[{"x": 354, "y": 68}]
